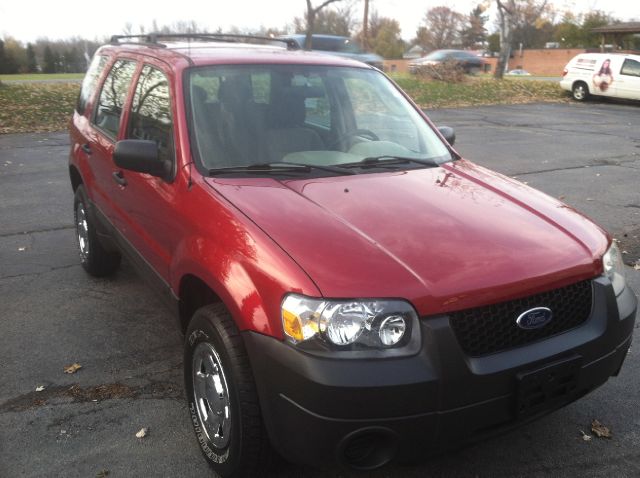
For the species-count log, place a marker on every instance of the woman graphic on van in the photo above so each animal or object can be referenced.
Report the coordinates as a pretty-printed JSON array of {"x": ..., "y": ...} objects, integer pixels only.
[{"x": 603, "y": 78}]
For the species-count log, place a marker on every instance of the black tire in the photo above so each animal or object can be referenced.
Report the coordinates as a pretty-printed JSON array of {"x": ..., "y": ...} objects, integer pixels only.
[
  {"x": 214, "y": 350},
  {"x": 95, "y": 259},
  {"x": 580, "y": 91}
]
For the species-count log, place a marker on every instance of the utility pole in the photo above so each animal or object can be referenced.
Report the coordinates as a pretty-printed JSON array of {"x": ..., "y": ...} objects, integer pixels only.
[{"x": 365, "y": 26}]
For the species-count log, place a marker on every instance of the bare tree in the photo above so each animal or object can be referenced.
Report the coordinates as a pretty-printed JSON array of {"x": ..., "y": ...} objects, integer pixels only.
[
  {"x": 311, "y": 17},
  {"x": 440, "y": 29}
]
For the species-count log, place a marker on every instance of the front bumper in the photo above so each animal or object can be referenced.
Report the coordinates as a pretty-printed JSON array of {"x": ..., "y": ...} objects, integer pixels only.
[{"x": 366, "y": 412}]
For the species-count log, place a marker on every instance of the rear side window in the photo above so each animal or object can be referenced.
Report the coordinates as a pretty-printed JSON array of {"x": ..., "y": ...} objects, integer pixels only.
[
  {"x": 630, "y": 68},
  {"x": 90, "y": 82},
  {"x": 151, "y": 117},
  {"x": 113, "y": 96}
]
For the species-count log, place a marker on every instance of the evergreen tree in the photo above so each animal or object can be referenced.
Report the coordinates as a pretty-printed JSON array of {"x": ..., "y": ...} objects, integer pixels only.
[
  {"x": 32, "y": 64},
  {"x": 50, "y": 65},
  {"x": 3, "y": 58}
]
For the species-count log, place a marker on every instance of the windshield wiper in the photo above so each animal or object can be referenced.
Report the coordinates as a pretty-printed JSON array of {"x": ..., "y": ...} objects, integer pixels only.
[
  {"x": 331, "y": 169},
  {"x": 277, "y": 167},
  {"x": 388, "y": 159}
]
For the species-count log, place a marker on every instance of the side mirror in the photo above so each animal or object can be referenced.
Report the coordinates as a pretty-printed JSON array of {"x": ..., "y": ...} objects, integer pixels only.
[
  {"x": 140, "y": 156},
  {"x": 449, "y": 134}
]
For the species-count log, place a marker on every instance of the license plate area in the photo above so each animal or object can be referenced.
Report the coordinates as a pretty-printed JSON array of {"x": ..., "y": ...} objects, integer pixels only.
[{"x": 546, "y": 387}]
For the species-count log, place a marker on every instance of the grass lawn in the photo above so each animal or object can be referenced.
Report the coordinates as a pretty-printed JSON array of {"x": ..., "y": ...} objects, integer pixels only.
[
  {"x": 43, "y": 76},
  {"x": 475, "y": 91},
  {"x": 36, "y": 107},
  {"x": 39, "y": 107}
]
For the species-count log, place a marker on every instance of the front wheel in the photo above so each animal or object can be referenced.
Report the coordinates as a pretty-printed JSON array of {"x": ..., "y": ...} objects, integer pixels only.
[
  {"x": 223, "y": 401},
  {"x": 580, "y": 91}
]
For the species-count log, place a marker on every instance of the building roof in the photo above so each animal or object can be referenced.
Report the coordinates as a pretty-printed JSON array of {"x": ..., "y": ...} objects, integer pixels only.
[{"x": 623, "y": 27}]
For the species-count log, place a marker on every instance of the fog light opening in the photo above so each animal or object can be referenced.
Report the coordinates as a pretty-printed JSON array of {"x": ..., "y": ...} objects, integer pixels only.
[{"x": 369, "y": 448}]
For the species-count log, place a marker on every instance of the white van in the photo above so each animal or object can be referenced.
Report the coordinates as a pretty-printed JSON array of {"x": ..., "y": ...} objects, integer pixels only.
[{"x": 603, "y": 74}]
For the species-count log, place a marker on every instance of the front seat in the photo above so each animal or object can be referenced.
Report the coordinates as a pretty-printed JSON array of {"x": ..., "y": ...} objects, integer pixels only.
[{"x": 287, "y": 133}]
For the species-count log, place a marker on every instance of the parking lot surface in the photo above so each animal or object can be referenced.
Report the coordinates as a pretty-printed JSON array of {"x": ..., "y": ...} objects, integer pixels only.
[{"x": 84, "y": 424}]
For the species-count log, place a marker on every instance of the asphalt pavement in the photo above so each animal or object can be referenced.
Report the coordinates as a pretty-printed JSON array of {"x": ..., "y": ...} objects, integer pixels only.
[{"x": 84, "y": 424}]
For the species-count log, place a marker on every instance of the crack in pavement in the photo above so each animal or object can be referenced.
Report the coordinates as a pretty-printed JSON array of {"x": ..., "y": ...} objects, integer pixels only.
[
  {"x": 35, "y": 274},
  {"x": 556, "y": 130},
  {"x": 58, "y": 143},
  {"x": 596, "y": 163},
  {"x": 37, "y": 231}
]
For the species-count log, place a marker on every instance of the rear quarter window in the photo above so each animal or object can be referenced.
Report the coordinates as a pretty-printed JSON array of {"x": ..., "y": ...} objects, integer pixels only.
[
  {"x": 90, "y": 82},
  {"x": 630, "y": 67}
]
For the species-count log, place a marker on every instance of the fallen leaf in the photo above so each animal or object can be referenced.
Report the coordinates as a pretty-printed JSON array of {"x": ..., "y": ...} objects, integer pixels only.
[
  {"x": 142, "y": 433},
  {"x": 585, "y": 437},
  {"x": 102, "y": 474},
  {"x": 39, "y": 388},
  {"x": 73, "y": 368},
  {"x": 600, "y": 430}
]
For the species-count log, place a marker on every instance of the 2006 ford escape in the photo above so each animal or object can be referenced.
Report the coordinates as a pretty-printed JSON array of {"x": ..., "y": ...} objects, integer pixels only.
[{"x": 350, "y": 288}]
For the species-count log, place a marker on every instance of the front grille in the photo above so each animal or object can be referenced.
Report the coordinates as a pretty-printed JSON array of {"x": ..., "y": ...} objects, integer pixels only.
[{"x": 491, "y": 329}]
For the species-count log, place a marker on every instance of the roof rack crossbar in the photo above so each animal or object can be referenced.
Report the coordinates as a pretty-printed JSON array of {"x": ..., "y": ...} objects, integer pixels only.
[{"x": 154, "y": 38}]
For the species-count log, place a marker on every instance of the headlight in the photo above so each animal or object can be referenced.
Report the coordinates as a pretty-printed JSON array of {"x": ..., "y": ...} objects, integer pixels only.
[
  {"x": 348, "y": 325},
  {"x": 614, "y": 268}
]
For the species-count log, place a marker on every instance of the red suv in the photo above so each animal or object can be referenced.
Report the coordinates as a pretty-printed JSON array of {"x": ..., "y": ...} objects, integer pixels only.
[{"x": 350, "y": 288}]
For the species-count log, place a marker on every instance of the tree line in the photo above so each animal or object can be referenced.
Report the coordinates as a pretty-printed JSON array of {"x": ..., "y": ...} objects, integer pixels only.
[
  {"x": 533, "y": 23},
  {"x": 46, "y": 56}
]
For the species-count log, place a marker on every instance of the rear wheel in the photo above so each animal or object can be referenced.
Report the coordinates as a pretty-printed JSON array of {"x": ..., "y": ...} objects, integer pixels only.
[
  {"x": 95, "y": 259},
  {"x": 223, "y": 401},
  {"x": 580, "y": 91}
]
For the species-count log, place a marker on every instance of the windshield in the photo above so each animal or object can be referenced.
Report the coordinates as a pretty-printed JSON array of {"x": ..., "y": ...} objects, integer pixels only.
[{"x": 316, "y": 116}]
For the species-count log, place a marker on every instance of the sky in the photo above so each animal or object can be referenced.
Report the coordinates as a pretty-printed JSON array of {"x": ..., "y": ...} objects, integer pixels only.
[{"x": 27, "y": 20}]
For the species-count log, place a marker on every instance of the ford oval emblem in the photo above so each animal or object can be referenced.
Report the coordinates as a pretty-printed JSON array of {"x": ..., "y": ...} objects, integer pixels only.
[{"x": 534, "y": 318}]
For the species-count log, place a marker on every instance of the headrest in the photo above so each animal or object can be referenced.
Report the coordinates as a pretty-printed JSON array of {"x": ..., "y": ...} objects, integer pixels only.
[
  {"x": 234, "y": 91},
  {"x": 198, "y": 95},
  {"x": 288, "y": 109}
]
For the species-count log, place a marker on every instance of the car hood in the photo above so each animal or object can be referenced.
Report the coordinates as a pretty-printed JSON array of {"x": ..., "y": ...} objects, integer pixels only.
[{"x": 445, "y": 238}]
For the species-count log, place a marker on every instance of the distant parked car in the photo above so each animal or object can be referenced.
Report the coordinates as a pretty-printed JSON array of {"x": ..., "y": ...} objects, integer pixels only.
[
  {"x": 519, "y": 72},
  {"x": 469, "y": 62},
  {"x": 340, "y": 46},
  {"x": 602, "y": 74}
]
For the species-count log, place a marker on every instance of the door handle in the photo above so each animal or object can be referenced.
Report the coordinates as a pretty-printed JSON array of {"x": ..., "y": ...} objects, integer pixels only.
[
  {"x": 118, "y": 177},
  {"x": 86, "y": 148}
]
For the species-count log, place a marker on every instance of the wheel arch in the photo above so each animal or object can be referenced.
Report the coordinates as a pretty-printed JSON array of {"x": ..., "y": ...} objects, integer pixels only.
[
  {"x": 75, "y": 177},
  {"x": 581, "y": 82},
  {"x": 193, "y": 293}
]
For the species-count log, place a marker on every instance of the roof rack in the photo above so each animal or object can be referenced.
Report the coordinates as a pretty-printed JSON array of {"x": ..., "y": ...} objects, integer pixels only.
[{"x": 155, "y": 38}]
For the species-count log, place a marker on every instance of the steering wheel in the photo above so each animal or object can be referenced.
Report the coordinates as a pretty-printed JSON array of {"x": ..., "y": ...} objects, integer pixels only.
[{"x": 367, "y": 133}]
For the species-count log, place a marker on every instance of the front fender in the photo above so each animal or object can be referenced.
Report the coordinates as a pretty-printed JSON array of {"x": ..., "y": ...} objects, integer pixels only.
[{"x": 250, "y": 280}]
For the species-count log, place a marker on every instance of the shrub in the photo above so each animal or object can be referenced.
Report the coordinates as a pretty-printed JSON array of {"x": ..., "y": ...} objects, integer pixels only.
[{"x": 449, "y": 71}]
